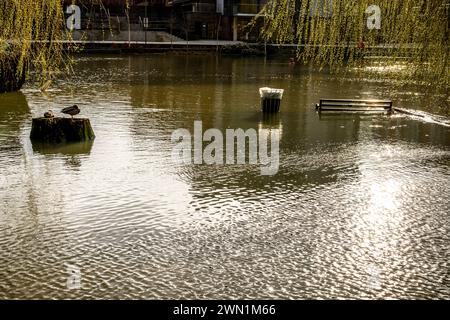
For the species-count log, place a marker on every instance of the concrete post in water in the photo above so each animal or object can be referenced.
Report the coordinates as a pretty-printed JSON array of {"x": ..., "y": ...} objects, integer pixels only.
[
  {"x": 61, "y": 130},
  {"x": 271, "y": 99}
]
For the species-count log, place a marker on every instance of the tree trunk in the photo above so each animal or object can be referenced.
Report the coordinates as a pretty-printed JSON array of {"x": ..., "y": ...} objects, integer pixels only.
[
  {"x": 9, "y": 80},
  {"x": 61, "y": 130}
]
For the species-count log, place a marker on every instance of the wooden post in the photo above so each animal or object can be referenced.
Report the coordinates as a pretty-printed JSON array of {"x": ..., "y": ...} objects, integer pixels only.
[{"x": 61, "y": 130}]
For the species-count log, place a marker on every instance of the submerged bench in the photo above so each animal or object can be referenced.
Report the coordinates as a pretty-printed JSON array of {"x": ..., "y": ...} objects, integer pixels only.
[{"x": 352, "y": 105}]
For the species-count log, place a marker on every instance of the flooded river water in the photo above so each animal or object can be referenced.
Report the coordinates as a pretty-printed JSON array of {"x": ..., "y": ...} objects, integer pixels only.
[{"x": 359, "y": 208}]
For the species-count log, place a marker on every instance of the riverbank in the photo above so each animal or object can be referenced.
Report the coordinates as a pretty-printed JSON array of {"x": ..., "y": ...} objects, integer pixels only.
[
  {"x": 202, "y": 46},
  {"x": 209, "y": 46}
]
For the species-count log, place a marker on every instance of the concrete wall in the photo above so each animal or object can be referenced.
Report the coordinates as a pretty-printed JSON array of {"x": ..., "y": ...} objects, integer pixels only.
[{"x": 124, "y": 35}]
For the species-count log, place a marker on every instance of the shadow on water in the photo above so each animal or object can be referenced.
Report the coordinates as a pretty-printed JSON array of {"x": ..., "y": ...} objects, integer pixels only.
[
  {"x": 14, "y": 110},
  {"x": 13, "y": 103},
  {"x": 270, "y": 121},
  {"x": 72, "y": 153}
]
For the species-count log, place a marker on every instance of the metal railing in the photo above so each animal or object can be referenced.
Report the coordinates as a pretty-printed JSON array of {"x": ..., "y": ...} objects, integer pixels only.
[{"x": 154, "y": 24}]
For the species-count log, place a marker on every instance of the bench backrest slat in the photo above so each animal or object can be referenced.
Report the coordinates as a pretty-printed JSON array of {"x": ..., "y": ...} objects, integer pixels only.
[{"x": 353, "y": 104}]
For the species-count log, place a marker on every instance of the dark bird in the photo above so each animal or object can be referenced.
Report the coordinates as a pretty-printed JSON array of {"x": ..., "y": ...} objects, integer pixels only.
[
  {"x": 73, "y": 110},
  {"x": 49, "y": 114}
]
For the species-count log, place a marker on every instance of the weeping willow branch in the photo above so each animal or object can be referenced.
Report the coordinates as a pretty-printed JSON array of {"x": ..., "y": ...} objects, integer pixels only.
[
  {"x": 33, "y": 36},
  {"x": 31, "y": 33},
  {"x": 334, "y": 34}
]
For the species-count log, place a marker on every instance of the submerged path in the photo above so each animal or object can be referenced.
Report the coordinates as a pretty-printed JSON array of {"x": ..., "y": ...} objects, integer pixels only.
[{"x": 203, "y": 45}]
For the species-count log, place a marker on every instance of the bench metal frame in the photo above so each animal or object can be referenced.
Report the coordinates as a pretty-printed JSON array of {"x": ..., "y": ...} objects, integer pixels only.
[{"x": 354, "y": 105}]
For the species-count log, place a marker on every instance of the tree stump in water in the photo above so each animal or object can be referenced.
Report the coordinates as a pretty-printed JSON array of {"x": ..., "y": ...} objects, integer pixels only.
[{"x": 59, "y": 130}]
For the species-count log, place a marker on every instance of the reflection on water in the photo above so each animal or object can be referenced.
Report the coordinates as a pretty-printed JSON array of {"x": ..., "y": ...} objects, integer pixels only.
[
  {"x": 63, "y": 148},
  {"x": 72, "y": 153},
  {"x": 270, "y": 121},
  {"x": 13, "y": 103},
  {"x": 359, "y": 207},
  {"x": 14, "y": 111}
]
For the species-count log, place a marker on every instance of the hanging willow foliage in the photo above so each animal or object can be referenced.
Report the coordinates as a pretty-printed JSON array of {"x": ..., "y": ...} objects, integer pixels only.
[
  {"x": 334, "y": 33},
  {"x": 33, "y": 36}
]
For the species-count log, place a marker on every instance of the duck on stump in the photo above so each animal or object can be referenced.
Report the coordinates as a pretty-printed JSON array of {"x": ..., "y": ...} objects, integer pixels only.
[
  {"x": 55, "y": 130},
  {"x": 49, "y": 114},
  {"x": 72, "y": 111}
]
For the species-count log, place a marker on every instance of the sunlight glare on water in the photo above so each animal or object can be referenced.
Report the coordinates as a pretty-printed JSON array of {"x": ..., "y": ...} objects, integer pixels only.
[{"x": 359, "y": 208}]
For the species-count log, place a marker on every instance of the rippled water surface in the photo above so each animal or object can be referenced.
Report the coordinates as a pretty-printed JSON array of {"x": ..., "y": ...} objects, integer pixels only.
[{"x": 359, "y": 208}]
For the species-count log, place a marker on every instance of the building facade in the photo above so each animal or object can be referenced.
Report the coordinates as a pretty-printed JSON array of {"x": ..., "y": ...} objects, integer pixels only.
[{"x": 185, "y": 19}]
